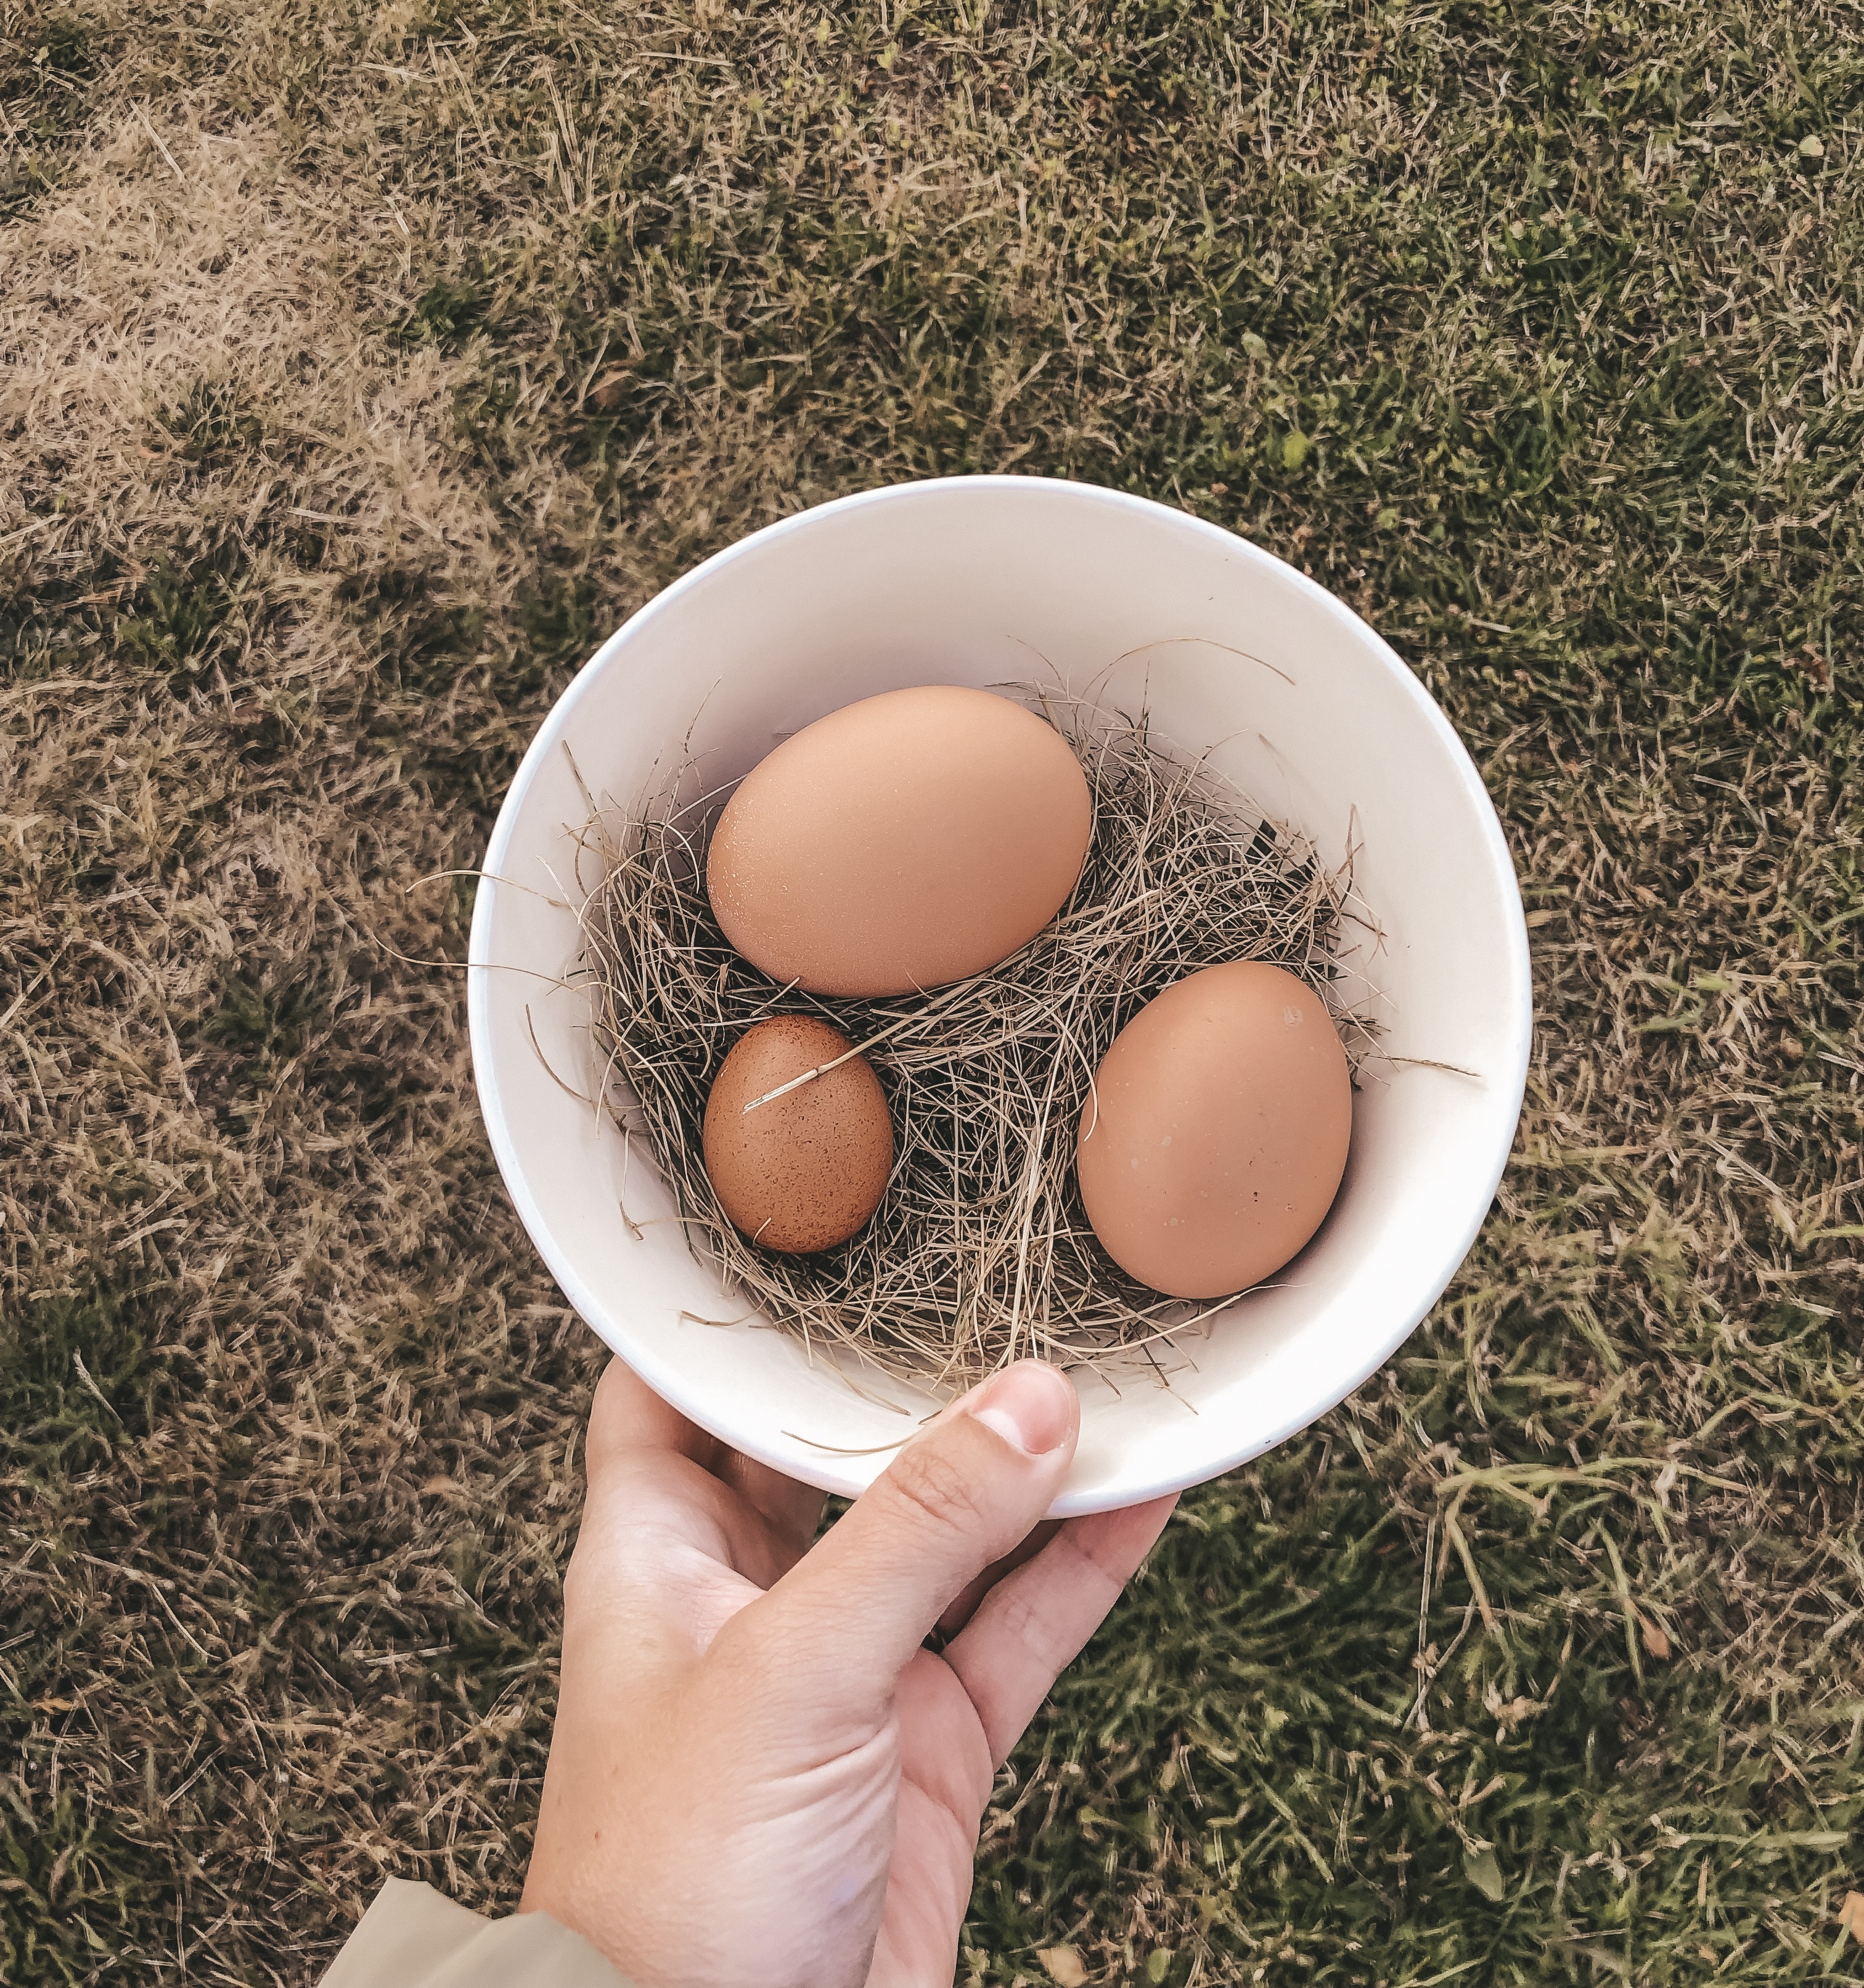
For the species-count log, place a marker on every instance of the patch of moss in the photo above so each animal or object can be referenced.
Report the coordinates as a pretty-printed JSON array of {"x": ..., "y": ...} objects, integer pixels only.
[
  {"x": 446, "y": 314},
  {"x": 184, "y": 616},
  {"x": 46, "y": 62},
  {"x": 208, "y": 424}
]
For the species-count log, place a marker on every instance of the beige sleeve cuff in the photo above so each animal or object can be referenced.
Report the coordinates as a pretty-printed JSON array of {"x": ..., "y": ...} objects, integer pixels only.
[{"x": 411, "y": 1937}]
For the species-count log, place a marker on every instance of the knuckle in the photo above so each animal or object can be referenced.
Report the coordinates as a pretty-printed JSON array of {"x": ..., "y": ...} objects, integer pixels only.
[
  {"x": 936, "y": 1487},
  {"x": 579, "y": 1580},
  {"x": 1025, "y": 1623}
]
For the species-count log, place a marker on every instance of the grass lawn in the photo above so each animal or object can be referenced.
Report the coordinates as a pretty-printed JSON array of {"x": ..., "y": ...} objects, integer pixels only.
[{"x": 362, "y": 364}]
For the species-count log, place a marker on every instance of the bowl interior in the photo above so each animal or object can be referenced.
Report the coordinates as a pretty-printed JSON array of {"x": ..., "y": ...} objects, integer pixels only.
[{"x": 993, "y": 580}]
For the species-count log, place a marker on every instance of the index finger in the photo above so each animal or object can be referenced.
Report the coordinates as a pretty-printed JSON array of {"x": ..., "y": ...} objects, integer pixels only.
[
  {"x": 1033, "y": 1624},
  {"x": 629, "y": 1423}
]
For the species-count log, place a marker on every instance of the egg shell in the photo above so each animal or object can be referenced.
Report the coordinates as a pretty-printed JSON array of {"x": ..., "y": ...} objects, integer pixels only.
[
  {"x": 1215, "y": 1138},
  {"x": 805, "y": 1171},
  {"x": 901, "y": 842}
]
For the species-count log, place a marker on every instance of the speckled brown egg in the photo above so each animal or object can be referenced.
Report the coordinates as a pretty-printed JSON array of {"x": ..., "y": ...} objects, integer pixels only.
[
  {"x": 1215, "y": 1138},
  {"x": 901, "y": 842},
  {"x": 805, "y": 1171}
]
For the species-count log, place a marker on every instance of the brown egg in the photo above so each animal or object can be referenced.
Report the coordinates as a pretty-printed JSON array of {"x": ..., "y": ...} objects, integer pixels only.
[
  {"x": 900, "y": 842},
  {"x": 1214, "y": 1141},
  {"x": 805, "y": 1171}
]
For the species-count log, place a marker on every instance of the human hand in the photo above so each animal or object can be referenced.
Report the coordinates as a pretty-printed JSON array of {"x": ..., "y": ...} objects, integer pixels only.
[{"x": 759, "y": 1773}]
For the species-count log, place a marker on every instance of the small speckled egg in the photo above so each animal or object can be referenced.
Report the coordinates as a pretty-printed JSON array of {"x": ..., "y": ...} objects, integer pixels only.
[
  {"x": 901, "y": 842},
  {"x": 1215, "y": 1138},
  {"x": 805, "y": 1171}
]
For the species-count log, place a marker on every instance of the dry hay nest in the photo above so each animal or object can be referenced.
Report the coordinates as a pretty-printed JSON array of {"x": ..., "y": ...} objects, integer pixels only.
[{"x": 979, "y": 1252}]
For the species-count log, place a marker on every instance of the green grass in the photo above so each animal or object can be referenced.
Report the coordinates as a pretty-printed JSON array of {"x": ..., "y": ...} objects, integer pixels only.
[{"x": 360, "y": 367}]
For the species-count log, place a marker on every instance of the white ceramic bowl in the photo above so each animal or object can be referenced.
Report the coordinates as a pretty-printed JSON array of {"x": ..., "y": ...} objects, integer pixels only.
[{"x": 987, "y": 581}]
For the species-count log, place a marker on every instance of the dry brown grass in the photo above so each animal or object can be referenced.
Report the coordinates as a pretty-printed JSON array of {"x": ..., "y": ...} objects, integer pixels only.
[{"x": 358, "y": 365}]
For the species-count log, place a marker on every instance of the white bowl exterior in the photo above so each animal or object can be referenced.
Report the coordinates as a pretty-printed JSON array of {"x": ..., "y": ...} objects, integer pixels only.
[{"x": 991, "y": 580}]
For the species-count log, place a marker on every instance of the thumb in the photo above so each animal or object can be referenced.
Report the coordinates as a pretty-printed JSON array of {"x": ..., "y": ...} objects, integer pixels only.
[{"x": 959, "y": 1495}]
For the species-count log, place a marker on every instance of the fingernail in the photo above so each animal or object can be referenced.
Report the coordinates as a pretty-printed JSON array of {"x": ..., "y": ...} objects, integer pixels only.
[{"x": 1030, "y": 1406}]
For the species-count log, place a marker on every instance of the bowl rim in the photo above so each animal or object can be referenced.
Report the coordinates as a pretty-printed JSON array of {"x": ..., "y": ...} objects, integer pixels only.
[{"x": 665, "y": 1376}]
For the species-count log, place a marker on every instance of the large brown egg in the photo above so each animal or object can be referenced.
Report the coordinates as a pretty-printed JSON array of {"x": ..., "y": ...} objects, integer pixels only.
[
  {"x": 1214, "y": 1142},
  {"x": 900, "y": 842},
  {"x": 805, "y": 1171}
]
